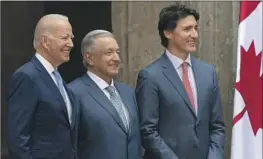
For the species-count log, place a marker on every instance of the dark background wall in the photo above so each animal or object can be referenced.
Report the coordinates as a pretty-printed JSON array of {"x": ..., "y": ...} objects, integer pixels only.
[{"x": 18, "y": 20}]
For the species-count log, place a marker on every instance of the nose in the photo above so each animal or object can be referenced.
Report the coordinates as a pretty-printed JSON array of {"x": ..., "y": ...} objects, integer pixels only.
[
  {"x": 194, "y": 33},
  {"x": 116, "y": 57},
  {"x": 70, "y": 43}
]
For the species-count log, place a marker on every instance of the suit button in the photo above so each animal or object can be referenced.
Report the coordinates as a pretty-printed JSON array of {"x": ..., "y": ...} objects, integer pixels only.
[
  {"x": 198, "y": 123},
  {"x": 195, "y": 145},
  {"x": 73, "y": 151}
]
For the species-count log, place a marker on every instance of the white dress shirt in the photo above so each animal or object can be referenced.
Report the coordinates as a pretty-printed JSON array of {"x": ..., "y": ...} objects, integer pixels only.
[
  {"x": 177, "y": 63},
  {"x": 47, "y": 65},
  {"x": 103, "y": 85}
]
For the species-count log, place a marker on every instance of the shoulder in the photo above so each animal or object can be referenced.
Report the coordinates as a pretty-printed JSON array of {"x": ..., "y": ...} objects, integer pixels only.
[
  {"x": 75, "y": 85},
  {"x": 203, "y": 65},
  {"x": 26, "y": 71},
  {"x": 152, "y": 69},
  {"x": 23, "y": 79},
  {"x": 123, "y": 86},
  {"x": 207, "y": 70}
]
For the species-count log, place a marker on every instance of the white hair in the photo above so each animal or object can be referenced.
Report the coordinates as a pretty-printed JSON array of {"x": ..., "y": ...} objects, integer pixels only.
[
  {"x": 88, "y": 42},
  {"x": 44, "y": 25}
]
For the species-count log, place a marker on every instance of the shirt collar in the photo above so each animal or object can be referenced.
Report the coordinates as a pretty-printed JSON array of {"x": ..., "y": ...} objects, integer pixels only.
[
  {"x": 99, "y": 81},
  {"x": 47, "y": 65},
  {"x": 176, "y": 61}
]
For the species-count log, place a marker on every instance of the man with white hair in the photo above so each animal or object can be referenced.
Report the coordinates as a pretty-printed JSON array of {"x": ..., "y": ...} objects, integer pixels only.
[
  {"x": 109, "y": 125},
  {"x": 41, "y": 110}
]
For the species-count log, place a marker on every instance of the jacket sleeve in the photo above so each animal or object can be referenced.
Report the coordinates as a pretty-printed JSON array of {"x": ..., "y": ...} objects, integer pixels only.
[
  {"x": 216, "y": 125},
  {"x": 148, "y": 105},
  {"x": 22, "y": 100}
]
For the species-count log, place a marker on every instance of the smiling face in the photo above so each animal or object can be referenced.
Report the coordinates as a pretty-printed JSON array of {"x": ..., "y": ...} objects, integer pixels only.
[
  {"x": 105, "y": 60},
  {"x": 183, "y": 38},
  {"x": 58, "y": 43}
]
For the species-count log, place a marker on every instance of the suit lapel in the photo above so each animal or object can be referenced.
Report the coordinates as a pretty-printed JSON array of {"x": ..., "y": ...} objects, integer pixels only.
[
  {"x": 73, "y": 106},
  {"x": 50, "y": 83},
  {"x": 172, "y": 75},
  {"x": 198, "y": 77},
  {"x": 102, "y": 99}
]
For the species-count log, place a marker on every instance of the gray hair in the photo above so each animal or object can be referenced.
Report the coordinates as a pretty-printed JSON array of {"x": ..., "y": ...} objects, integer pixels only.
[
  {"x": 44, "y": 25},
  {"x": 88, "y": 42}
]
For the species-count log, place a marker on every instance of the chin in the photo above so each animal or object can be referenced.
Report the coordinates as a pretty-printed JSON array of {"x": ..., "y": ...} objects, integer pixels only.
[
  {"x": 113, "y": 73},
  {"x": 66, "y": 59},
  {"x": 191, "y": 50}
]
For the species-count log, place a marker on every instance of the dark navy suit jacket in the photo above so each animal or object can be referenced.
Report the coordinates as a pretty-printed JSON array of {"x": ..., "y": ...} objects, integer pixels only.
[
  {"x": 38, "y": 125},
  {"x": 101, "y": 132}
]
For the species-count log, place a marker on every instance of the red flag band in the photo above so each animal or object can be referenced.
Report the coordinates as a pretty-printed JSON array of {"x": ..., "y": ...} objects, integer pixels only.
[{"x": 248, "y": 102}]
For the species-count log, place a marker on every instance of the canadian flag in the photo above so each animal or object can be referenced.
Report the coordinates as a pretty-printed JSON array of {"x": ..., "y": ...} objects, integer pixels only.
[{"x": 248, "y": 100}]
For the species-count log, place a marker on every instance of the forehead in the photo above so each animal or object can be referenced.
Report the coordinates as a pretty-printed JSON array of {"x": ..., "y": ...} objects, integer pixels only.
[
  {"x": 187, "y": 21},
  {"x": 62, "y": 27},
  {"x": 106, "y": 43}
]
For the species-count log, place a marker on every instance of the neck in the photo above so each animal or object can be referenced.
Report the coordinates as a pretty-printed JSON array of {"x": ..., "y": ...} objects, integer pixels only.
[
  {"x": 180, "y": 54},
  {"x": 48, "y": 58},
  {"x": 107, "y": 79}
]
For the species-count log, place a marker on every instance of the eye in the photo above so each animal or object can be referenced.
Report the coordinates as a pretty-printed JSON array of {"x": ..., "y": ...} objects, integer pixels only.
[
  {"x": 187, "y": 28},
  {"x": 108, "y": 53},
  {"x": 65, "y": 38}
]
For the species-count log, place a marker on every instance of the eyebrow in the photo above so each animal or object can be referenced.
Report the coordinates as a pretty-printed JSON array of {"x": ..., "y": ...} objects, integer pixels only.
[
  {"x": 190, "y": 26},
  {"x": 112, "y": 49},
  {"x": 187, "y": 25},
  {"x": 63, "y": 35}
]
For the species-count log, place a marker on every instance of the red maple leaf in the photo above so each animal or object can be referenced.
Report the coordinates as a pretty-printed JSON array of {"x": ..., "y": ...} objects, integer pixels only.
[{"x": 250, "y": 86}]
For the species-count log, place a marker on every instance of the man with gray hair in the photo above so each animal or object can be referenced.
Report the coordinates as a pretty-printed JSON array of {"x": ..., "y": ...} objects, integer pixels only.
[
  {"x": 42, "y": 112},
  {"x": 109, "y": 126}
]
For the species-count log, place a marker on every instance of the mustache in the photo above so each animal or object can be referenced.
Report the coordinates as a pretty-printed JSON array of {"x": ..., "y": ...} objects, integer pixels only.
[{"x": 116, "y": 62}]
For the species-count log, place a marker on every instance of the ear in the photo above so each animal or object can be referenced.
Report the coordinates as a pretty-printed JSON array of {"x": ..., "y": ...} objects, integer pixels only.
[
  {"x": 89, "y": 58},
  {"x": 44, "y": 41},
  {"x": 167, "y": 34}
]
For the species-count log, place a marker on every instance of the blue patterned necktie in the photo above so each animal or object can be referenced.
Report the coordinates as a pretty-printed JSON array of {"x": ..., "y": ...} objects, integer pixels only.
[
  {"x": 59, "y": 84},
  {"x": 61, "y": 90},
  {"x": 116, "y": 102}
]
